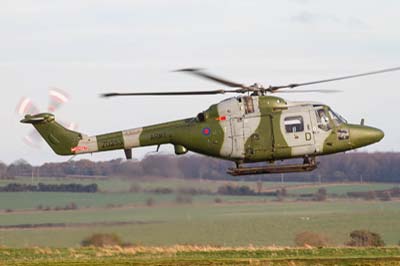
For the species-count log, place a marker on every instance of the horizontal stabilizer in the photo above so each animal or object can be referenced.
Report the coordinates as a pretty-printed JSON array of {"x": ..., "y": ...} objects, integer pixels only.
[{"x": 32, "y": 119}]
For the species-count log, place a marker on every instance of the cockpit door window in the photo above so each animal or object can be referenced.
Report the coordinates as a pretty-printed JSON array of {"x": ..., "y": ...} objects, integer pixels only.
[
  {"x": 294, "y": 124},
  {"x": 322, "y": 119}
]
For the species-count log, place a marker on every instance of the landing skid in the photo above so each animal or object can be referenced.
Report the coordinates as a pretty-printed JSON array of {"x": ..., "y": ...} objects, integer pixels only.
[{"x": 307, "y": 166}]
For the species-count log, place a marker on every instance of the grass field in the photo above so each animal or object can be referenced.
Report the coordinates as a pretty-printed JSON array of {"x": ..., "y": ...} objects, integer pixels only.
[
  {"x": 116, "y": 192},
  {"x": 237, "y": 221},
  {"x": 198, "y": 255},
  {"x": 272, "y": 223}
]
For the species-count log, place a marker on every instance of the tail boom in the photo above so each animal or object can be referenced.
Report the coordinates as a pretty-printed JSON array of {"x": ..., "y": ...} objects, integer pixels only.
[
  {"x": 126, "y": 139},
  {"x": 67, "y": 142}
]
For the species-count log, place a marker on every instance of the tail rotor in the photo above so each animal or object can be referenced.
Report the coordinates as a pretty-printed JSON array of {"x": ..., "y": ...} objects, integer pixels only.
[{"x": 25, "y": 106}]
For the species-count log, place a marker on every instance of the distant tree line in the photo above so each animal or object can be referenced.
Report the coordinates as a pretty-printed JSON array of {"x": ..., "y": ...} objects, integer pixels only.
[
  {"x": 16, "y": 187},
  {"x": 353, "y": 166}
]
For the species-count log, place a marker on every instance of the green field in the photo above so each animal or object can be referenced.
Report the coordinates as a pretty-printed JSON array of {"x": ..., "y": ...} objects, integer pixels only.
[
  {"x": 115, "y": 192},
  {"x": 237, "y": 221},
  {"x": 187, "y": 255},
  {"x": 270, "y": 223}
]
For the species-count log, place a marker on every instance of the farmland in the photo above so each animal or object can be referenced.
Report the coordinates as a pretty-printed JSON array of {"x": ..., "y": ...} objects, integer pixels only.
[{"x": 232, "y": 221}]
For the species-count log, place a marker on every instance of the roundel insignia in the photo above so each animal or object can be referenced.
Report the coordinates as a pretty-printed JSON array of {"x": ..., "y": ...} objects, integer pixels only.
[{"x": 206, "y": 131}]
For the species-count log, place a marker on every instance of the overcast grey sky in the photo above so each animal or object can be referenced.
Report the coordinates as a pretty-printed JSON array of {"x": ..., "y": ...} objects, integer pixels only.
[{"x": 89, "y": 47}]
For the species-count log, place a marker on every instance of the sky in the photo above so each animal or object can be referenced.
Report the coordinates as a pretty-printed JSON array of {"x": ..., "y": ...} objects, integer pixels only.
[{"x": 89, "y": 47}]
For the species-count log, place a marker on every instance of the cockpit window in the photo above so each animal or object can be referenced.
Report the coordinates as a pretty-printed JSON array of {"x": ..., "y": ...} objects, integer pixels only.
[
  {"x": 336, "y": 118},
  {"x": 322, "y": 119},
  {"x": 294, "y": 124}
]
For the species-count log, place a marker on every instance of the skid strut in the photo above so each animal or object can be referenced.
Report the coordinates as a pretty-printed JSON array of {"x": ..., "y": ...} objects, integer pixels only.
[{"x": 273, "y": 169}]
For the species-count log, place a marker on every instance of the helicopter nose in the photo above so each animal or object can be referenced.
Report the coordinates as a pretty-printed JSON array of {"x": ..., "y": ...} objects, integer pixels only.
[
  {"x": 377, "y": 134},
  {"x": 363, "y": 135}
]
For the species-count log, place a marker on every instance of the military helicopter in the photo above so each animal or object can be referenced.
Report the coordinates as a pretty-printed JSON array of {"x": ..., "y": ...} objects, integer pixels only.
[{"x": 252, "y": 127}]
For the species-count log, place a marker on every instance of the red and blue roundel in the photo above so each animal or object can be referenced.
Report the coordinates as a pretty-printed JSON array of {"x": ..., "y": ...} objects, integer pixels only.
[{"x": 206, "y": 131}]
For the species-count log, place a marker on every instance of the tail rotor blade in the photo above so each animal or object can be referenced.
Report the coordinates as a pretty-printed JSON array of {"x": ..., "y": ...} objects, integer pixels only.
[
  {"x": 57, "y": 97},
  {"x": 33, "y": 139},
  {"x": 26, "y": 106},
  {"x": 69, "y": 125}
]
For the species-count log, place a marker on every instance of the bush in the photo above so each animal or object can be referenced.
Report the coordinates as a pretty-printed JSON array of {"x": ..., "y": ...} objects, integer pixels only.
[
  {"x": 194, "y": 191},
  {"x": 280, "y": 194},
  {"x": 395, "y": 191},
  {"x": 218, "y": 200},
  {"x": 185, "y": 199},
  {"x": 313, "y": 239},
  {"x": 321, "y": 194},
  {"x": 161, "y": 190},
  {"x": 279, "y": 198},
  {"x": 71, "y": 206},
  {"x": 150, "y": 202},
  {"x": 135, "y": 188},
  {"x": 370, "y": 195},
  {"x": 386, "y": 196},
  {"x": 235, "y": 190},
  {"x": 259, "y": 186},
  {"x": 102, "y": 240},
  {"x": 365, "y": 238}
]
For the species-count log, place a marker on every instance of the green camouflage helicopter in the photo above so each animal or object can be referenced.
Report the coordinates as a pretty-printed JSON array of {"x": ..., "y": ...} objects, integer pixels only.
[{"x": 253, "y": 127}]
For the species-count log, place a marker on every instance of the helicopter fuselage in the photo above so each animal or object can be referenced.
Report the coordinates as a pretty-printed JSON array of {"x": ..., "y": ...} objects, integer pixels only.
[{"x": 243, "y": 129}]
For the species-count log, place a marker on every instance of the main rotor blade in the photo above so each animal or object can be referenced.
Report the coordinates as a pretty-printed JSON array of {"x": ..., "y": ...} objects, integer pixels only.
[
  {"x": 305, "y": 91},
  {"x": 170, "y": 93},
  {"x": 198, "y": 72},
  {"x": 294, "y": 85}
]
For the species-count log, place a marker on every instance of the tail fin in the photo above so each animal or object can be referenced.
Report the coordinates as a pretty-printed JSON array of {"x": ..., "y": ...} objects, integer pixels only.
[{"x": 60, "y": 139}]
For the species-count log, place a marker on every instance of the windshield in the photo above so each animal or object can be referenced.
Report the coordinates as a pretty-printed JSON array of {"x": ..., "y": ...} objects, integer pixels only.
[{"x": 337, "y": 119}]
